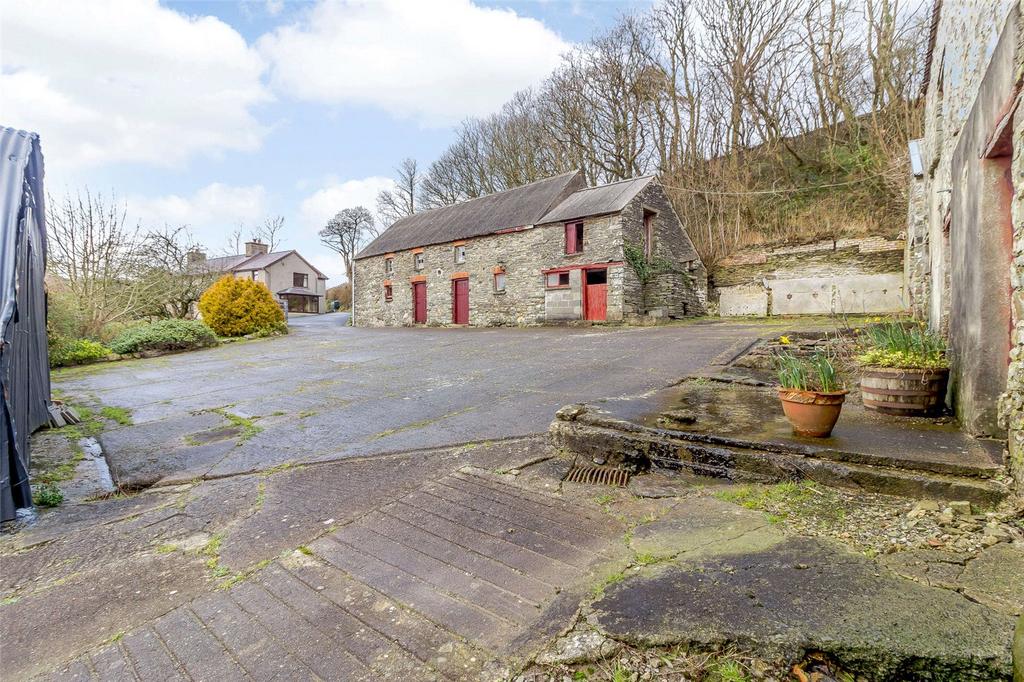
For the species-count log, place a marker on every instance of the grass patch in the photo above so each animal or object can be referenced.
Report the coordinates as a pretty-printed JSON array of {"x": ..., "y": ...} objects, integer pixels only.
[
  {"x": 166, "y": 548},
  {"x": 248, "y": 426},
  {"x": 614, "y": 579},
  {"x": 121, "y": 415},
  {"x": 788, "y": 500}
]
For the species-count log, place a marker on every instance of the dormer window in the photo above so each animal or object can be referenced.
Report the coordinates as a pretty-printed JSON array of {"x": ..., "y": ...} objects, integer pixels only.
[{"x": 574, "y": 237}]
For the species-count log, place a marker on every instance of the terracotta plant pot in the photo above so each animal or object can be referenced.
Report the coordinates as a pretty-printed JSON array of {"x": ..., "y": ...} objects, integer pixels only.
[{"x": 811, "y": 413}]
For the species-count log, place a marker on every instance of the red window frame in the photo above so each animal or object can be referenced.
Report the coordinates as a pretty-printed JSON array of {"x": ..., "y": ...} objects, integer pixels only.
[
  {"x": 574, "y": 237},
  {"x": 388, "y": 292}
]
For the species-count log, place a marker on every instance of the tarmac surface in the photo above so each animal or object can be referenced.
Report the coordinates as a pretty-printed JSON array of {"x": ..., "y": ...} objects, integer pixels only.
[{"x": 329, "y": 391}]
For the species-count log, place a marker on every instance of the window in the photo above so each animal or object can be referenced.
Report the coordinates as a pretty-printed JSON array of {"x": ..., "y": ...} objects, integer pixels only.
[
  {"x": 649, "y": 233},
  {"x": 558, "y": 279},
  {"x": 499, "y": 281},
  {"x": 389, "y": 266},
  {"x": 387, "y": 292},
  {"x": 417, "y": 261},
  {"x": 300, "y": 279},
  {"x": 460, "y": 254},
  {"x": 573, "y": 237}
]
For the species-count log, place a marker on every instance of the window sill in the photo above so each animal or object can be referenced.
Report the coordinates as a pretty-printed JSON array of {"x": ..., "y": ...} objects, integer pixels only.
[
  {"x": 499, "y": 293},
  {"x": 567, "y": 286}
]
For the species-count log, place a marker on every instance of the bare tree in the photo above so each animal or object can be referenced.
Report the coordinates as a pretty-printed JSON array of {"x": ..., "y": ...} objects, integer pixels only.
[
  {"x": 269, "y": 232},
  {"x": 174, "y": 267},
  {"x": 402, "y": 200},
  {"x": 347, "y": 232},
  {"x": 96, "y": 257},
  {"x": 234, "y": 241}
]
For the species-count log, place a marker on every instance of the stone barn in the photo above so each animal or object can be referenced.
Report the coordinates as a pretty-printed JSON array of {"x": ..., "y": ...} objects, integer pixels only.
[{"x": 551, "y": 251}]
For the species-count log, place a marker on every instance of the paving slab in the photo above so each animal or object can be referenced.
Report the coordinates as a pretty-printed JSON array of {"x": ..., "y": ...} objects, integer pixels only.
[{"x": 802, "y": 595}]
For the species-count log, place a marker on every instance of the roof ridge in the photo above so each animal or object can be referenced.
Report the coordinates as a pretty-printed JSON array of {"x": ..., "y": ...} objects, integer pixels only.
[
  {"x": 486, "y": 196},
  {"x": 619, "y": 182}
]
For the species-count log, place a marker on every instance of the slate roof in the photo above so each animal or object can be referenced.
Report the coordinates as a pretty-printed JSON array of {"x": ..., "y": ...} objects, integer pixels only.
[
  {"x": 222, "y": 263},
  {"x": 516, "y": 207},
  {"x": 243, "y": 263},
  {"x": 261, "y": 260},
  {"x": 297, "y": 291},
  {"x": 600, "y": 200}
]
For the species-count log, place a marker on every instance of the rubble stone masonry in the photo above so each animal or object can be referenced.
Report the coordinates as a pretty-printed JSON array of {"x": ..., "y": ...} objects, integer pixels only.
[{"x": 524, "y": 255}]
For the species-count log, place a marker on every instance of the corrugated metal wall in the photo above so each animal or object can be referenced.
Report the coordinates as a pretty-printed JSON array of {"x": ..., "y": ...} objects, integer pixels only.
[{"x": 24, "y": 361}]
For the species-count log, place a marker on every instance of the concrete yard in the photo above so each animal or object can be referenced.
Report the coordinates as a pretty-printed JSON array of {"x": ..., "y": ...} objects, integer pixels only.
[
  {"x": 329, "y": 391},
  {"x": 346, "y": 504}
]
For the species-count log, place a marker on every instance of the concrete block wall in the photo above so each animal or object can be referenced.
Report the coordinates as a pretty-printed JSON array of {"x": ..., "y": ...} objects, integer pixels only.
[{"x": 862, "y": 275}]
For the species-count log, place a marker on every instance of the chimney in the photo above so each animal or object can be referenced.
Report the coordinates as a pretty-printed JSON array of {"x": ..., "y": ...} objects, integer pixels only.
[
  {"x": 196, "y": 256},
  {"x": 254, "y": 248}
]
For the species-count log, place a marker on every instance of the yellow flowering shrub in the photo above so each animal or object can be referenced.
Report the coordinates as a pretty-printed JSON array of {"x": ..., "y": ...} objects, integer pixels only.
[{"x": 236, "y": 307}]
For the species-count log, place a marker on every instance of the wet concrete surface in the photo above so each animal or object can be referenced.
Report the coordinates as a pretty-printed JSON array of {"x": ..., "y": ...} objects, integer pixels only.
[
  {"x": 329, "y": 391},
  {"x": 753, "y": 415}
]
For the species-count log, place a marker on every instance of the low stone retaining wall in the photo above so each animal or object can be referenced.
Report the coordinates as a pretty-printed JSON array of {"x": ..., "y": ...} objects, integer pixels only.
[{"x": 843, "y": 276}]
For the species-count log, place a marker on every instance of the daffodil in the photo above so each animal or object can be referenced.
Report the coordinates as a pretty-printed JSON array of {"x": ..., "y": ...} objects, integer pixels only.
[{"x": 784, "y": 340}]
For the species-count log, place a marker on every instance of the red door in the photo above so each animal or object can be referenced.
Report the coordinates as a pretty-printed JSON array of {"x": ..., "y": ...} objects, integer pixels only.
[
  {"x": 419, "y": 302},
  {"x": 595, "y": 295},
  {"x": 460, "y": 301}
]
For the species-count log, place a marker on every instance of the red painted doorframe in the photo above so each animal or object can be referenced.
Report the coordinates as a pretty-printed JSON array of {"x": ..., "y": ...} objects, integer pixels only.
[
  {"x": 419, "y": 302},
  {"x": 460, "y": 300}
]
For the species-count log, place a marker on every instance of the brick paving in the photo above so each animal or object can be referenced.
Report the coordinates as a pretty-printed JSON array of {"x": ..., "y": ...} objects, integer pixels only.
[{"x": 434, "y": 585}]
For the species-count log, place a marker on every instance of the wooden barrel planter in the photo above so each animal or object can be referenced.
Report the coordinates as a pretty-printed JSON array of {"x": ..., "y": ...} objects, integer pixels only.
[{"x": 904, "y": 392}]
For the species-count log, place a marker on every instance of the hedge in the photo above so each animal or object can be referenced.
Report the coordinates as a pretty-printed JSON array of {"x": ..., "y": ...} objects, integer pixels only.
[
  {"x": 67, "y": 351},
  {"x": 164, "y": 335}
]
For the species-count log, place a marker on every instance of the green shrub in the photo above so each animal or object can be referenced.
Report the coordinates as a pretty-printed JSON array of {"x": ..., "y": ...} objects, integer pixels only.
[
  {"x": 67, "y": 351},
  {"x": 164, "y": 335},
  {"x": 47, "y": 495},
  {"x": 236, "y": 307},
  {"x": 903, "y": 345}
]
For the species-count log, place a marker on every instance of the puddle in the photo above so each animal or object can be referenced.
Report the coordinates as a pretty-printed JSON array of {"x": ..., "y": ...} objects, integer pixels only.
[{"x": 94, "y": 459}]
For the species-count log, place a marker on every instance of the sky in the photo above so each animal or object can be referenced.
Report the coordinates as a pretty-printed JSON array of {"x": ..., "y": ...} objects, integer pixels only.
[{"x": 216, "y": 114}]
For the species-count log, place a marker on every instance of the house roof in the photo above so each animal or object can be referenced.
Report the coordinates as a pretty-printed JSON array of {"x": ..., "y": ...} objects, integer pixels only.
[
  {"x": 610, "y": 198},
  {"x": 516, "y": 207},
  {"x": 261, "y": 261},
  {"x": 297, "y": 291},
  {"x": 222, "y": 263},
  {"x": 243, "y": 263}
]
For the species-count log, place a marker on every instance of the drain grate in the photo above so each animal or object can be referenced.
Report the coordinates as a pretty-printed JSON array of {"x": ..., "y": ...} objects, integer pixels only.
[{"x": 602, "y": 475}]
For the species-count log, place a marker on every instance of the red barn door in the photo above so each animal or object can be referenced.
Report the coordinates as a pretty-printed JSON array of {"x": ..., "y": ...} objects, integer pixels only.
[
  {"x": 460, "y": 301},
  {"x": 595, "y": 295},
  {"x": 419, "y": 302}
]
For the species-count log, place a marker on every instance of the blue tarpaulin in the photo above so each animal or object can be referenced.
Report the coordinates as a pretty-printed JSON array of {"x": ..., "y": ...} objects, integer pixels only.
[{"x": 24, "y": 361}]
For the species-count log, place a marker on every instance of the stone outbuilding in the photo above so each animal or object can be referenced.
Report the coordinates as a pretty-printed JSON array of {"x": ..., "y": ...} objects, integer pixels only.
[
  {"x": 965, "y": 233},
  {"x": 290, "y": 277},
  {"x": 551, "y": 251}
]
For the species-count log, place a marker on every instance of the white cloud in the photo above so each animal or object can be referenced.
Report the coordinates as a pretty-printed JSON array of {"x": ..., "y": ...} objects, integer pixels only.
[
  {"x": 127, "y": 80},
  {"x": 212, "y": 212},
  {"x": 437, "y": 61},
  {"x": 321, "y": 205}
]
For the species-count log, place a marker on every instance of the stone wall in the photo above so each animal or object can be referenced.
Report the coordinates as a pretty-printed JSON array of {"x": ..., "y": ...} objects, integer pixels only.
[
  {"x": 965, "y": 257},
  {"x": 523, "y": 254},
  {"x": 526, "y": 255},
  {"x": 843, "y": 276},
  {"x": 678, "y": 290},
  {"x": 1011, "y": 403}
]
